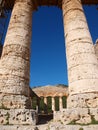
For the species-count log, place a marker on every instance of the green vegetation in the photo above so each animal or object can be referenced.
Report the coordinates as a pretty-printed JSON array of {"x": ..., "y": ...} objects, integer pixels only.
[
  {"x": 73, "y": 122},
  {"x": 3, "y": 107},
  {"x": 57, "y": 103},
  {"x": 41, "y": 105},
  {"x": 93, "y": 120},
  {"x": 63, "y": 85},
  {"x": 49, "y": 105},
  {"x": 34, "y": 102},
  {"x": 81, "y": 129},
  {"x": 7, "y": 118},
  {"x": 64, "y": 99}
]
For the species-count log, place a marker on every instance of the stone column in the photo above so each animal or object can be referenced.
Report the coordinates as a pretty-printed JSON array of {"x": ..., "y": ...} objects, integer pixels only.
[
  {"x": 15, "y": 60},
  {"x": 81, "y": 60},
  {"x": 45, "y": 100},
  {"x": 53, "y": 104},
  {"x": 60, "y": 103},
  {"x": 45, "y": 104}
]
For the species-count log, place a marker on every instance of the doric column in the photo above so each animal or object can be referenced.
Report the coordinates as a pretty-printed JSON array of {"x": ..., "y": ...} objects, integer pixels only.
[
  {"x": 81, "y": 60},
  {"x": 60, "y": 103},
  {"x": 15, "y": 60},
  {"x": 45, "y": 104},
  {"x": 45, "y": 100},
  {"x": 53, "y": 103}
]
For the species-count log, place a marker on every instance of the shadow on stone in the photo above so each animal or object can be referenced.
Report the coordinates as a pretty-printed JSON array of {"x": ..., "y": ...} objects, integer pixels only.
[{"x": 44, "y": 118}]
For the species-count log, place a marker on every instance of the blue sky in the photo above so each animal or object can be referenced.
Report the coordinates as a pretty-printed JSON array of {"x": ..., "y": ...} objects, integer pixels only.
[
  {"x": 48, "y": 58},
  {"x": 48, "y": 63}
]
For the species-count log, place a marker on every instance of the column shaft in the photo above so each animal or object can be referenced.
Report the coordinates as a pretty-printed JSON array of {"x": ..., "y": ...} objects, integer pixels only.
[
  {"x": 45, "y": 100},
  {"x": 15, "y": 60},
  {"x": 60, "y": 103},
  {"x": 81, "y": 60},
  {"x": 53, "y": 104}
]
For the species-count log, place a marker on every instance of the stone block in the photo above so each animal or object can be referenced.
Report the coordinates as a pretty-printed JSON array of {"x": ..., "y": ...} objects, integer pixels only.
[
  {"x": 14, "y": 101},
  {"x": 18, "y": 127},
  {"x": 18, "y": 116},
  {"x": 74, "y": 127},
  {"x": 83, "y": 100},
  {"x": 22, "y": 116},
  {"x": 84, "y": 116}
]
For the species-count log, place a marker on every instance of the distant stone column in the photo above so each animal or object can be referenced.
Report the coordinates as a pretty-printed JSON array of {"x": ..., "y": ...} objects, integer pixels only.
[
  {"x": 45, "y": 104},
  {"x": 15, "y": 60},
  {"x": 60, "y": 103},
  {"x": 81, "y": 60},
  {"x": 53, "y": 103},
  {"x": 45, "y": 100}
]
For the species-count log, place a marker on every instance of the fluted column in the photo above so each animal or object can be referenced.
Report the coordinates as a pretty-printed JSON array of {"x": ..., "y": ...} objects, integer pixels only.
[
  {"x": 81, "y": 60},
  {"x": 53, "y": 104},
  {"x": 15, "y": 60},
  {"x": 60, "y": 103}
]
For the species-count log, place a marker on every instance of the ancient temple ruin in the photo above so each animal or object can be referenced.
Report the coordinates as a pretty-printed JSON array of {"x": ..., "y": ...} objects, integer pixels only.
[
  {"x": 52, "y": 92},
  {"x": 15, "y": 99}
]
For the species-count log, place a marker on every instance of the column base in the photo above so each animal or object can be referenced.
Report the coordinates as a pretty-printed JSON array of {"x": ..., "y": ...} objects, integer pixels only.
[
  {"x": 10, "y": 101},
  {"x": 51, "y": 127},
  {"x": 77, "y": 116},
  {"x": 18, "y": 127},
  {"x": 83, "y": 100},
  {"x": 18, "y": 117},
  {"x": 73, "y": 127}
]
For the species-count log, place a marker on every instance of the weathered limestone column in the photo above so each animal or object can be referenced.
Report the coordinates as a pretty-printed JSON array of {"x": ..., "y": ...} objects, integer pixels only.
[
  {"x": 45, "y": 104},
  {"x": 81, "y": 59},
  {"x": 45, "y": 100},
  {"x": 53, "y": 103},
  {"x": 15, "y": 60},
  {"x": 60, "y": 103}
]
